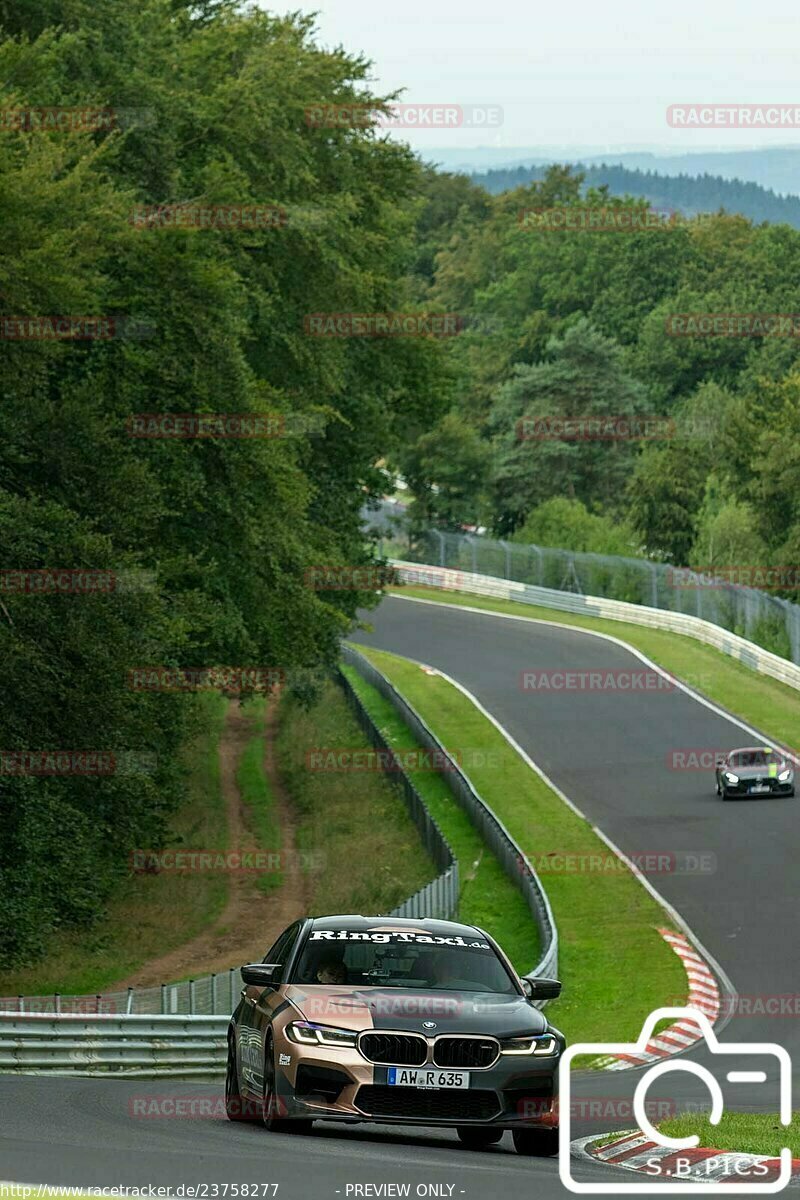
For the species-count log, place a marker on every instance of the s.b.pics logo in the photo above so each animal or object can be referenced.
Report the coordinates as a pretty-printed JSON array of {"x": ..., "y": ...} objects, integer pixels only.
[{"x": 675, "y": 1165}]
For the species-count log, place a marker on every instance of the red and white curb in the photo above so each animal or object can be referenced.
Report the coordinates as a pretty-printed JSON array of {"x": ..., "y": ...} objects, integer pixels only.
[
  {"x": 635, "y": 1152},
  {"x": 704, "y": 995}
]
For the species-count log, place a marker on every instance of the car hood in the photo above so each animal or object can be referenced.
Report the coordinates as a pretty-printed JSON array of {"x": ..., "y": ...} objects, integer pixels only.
[{"x": 409, "y": 1009}]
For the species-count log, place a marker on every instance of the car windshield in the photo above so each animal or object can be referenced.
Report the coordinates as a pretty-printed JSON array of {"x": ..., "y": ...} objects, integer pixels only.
[
  {"x": 754, "y": 758},
  {"x": 401, "y": 959}
]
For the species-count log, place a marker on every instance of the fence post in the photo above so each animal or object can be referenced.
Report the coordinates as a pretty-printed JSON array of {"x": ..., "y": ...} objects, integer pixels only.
[
  {"x": 442, "y": 555},
  {"x": 57, "y": 1003},
  {"x": 213, "y": 993},
  {"x": 129, "y": 1006},
  {"x": 191, "y": 997}
]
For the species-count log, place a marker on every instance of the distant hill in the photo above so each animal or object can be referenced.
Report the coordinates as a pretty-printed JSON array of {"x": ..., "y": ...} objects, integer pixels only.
[
  {"x": 688, "y": 194},
  {"x": 777, "y": 168}
]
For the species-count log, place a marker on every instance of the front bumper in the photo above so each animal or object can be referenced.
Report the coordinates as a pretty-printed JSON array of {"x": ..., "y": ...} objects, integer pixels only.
[
  {"x": 340, "y": 1085},
  {"x": 742, "y": 789}
]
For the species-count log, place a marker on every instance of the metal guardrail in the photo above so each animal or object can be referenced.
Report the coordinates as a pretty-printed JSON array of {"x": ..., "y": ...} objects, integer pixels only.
[
  {"x": 189, "y": 1047},
  {"x": 745, "y": 652},
  {"x": 206, "y": 996},
  {"x": 768, "y": 621},
  {"x": 439, "y": 898},
  {"x": 494, "y": 833}
]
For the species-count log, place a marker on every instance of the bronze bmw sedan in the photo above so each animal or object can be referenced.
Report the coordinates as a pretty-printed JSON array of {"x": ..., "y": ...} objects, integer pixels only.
[{"x": 395, "y": 1021}]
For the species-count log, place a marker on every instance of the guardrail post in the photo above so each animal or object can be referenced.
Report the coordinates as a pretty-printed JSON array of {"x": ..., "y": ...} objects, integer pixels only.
[
  {"x": 163, "y": 999},
  {"x": 230, "y": 978},
  {"x": 21, "y": 1003},
  {"x": 56, "y": 1003},
  {"x": 129, "y": 1005},
  {"x": 191, "y": 997},
  {"x": 213, "y": 994}
]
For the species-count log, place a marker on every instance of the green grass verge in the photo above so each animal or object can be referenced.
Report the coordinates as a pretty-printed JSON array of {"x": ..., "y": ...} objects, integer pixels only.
[
  {"x": 487, "y": 897},
  {"x": 607, "y": 922},
  {"x": 355, "y": 825},
  {"x": 771, "y": 706},
  {"x": 260, "y": 808},
  {"x": 742, "y": 1133},
  {"x": 149, "y": 914}
]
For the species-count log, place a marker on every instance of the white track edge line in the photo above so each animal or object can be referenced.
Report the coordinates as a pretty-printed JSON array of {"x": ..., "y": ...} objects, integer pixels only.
[{"x": 722, "y": 975}]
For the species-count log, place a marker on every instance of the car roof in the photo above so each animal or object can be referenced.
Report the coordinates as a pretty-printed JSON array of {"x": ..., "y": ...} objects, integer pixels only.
[{"x": 357, "y": 921}]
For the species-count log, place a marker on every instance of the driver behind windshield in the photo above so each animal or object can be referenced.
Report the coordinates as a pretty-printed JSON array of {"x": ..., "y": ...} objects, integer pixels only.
[{"x": 331, "y": 970}]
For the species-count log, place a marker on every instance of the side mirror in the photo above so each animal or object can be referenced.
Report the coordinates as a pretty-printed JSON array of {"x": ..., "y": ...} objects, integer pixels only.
[
  {"x": 261, "y": 974},
  {"x": 541, "y": 989}
]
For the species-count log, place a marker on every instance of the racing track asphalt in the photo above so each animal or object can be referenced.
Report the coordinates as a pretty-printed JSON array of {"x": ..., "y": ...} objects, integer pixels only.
[{"x": 608, "y": 752}]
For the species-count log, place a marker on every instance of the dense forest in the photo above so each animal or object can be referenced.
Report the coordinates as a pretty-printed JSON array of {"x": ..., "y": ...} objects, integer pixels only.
[
  {"x": 687, "y": 194},
  {"x": 574, "y": 324},
  {"x": 212, "y": 540},
  {"x": 204, "y": 545}
]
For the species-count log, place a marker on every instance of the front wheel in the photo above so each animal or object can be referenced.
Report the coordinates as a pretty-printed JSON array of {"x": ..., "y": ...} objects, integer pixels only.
[
  {"x": 237, "y": 1108},
  {"x": 541, "y": 1143},
  {"x": 477, "y": 1139},
  {"x": 273, "y": 1108}
]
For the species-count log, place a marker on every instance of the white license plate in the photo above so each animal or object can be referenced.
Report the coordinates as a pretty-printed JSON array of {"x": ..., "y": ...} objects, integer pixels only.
[
  {"x": 758, "y": 788},
  {"x": 426, "y": 1077}
]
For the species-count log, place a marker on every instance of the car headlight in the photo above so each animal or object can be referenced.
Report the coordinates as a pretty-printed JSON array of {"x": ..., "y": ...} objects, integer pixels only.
[
  {"x": 538, "y": 1044},
  {"x": 308, "y": 1034},
  {"x": 731, "y": 778},
  {"x": 785, "y": 776}
]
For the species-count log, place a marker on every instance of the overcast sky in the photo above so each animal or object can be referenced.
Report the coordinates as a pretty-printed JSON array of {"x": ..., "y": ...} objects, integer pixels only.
[{"x": 592, "y": 75}]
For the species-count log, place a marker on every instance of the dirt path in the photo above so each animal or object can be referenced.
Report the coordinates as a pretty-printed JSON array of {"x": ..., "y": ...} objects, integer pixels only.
[{"x": 251, "y": 919}]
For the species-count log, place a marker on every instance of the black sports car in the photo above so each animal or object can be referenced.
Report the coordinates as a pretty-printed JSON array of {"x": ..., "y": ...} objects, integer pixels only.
[
  {"x": 755, "y": 771},
  {"x": 396, "y": 1021}
]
